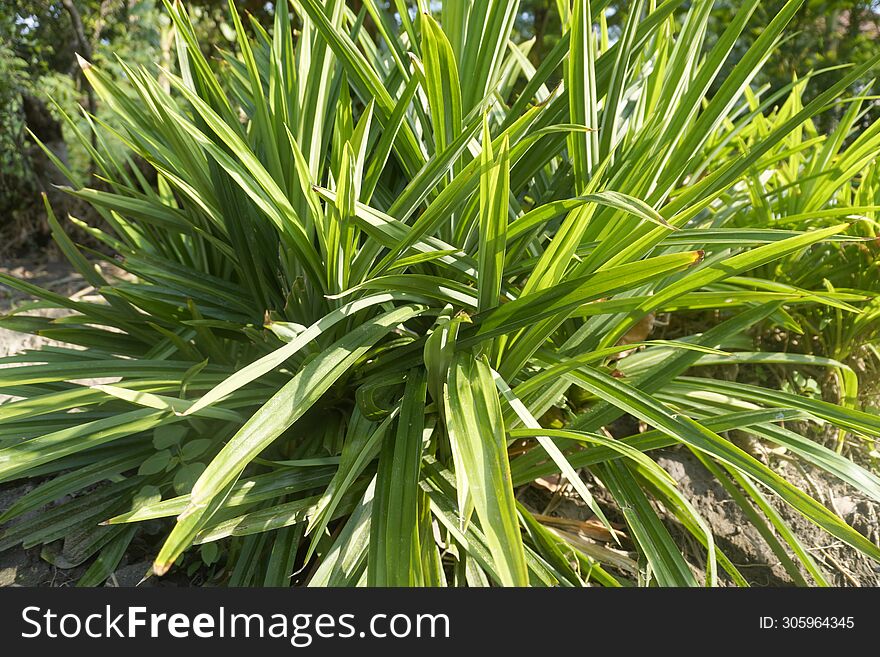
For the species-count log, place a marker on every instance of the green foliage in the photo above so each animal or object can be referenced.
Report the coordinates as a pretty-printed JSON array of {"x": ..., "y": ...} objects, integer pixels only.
[
  {"x": 13, "y": 167},
  {"x": 824, "y": 34},
  {"x": 818, "y": 180},
  {"x": 40, "y": 62},
  {"x": 370, "y": 274}
]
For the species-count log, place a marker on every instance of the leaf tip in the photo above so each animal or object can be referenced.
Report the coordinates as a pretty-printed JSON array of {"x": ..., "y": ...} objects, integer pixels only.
[{"x": 161, "y": 567}]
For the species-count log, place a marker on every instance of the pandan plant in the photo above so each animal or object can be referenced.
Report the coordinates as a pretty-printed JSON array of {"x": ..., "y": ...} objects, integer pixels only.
[{"x": 376, "y": 282}]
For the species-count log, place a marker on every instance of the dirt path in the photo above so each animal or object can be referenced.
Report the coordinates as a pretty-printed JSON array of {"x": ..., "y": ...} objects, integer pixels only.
[{"x": 54, "y": 275}]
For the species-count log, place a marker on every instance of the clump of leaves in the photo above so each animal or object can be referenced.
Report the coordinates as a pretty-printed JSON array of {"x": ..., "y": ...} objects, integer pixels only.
[
  {"x": 818, "y": 180},
  {"x": 369, "y": 266}
]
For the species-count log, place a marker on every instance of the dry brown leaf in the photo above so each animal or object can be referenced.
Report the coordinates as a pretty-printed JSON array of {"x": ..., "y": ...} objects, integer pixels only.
[{"x": 591, "y": 528}]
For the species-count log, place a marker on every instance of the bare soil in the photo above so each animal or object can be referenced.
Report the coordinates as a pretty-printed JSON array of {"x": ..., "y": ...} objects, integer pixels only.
[
  {"x": 733, "y": 532},
  {"x": 745, "y": 547}
]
